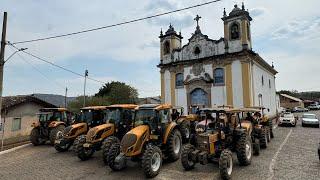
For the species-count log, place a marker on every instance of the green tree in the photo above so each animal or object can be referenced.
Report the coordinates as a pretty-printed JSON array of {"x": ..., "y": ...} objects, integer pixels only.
[
  {"x": 118, "y": 93},
  {"x": 75, "y": 105}
]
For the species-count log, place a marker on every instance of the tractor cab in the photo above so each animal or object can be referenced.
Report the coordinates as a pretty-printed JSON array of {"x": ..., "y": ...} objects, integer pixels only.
[
  {"x": 50, "y": 115},
  {"x": 93, "y": 115}
]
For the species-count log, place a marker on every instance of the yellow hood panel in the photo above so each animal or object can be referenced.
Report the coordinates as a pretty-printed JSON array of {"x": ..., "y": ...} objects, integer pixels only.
[
  {"x": 139, "y": 131},
  {"x": 77, "y": 125}
]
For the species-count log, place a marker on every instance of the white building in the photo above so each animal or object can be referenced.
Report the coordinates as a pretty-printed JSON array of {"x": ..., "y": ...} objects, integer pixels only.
[{"x": 206, "y": 72}]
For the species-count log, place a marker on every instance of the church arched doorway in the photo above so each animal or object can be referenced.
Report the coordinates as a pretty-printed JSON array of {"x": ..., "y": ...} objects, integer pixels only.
[{"x": 199, "y": 98}]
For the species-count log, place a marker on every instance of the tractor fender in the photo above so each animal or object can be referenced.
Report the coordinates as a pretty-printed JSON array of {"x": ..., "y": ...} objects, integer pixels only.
[
  {"x": 54, "y": 124},
  {"x": 170, "y": 127}
]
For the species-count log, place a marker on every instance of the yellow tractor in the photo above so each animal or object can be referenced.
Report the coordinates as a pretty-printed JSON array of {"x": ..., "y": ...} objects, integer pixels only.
[
  {"x": 217, "y": 136},
  {"x": 155, "y": 137},
  {"x": 265, "y": 121},
  {"x": 89, "y": 118},
  {"x": 250, "y": 121},
  {"x": 118, "y": 120},
  {"x": 51, "y": 122}
]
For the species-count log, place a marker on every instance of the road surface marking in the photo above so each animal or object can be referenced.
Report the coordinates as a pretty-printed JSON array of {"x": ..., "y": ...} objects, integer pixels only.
[
  {"x": 15, "y": 148},
  {"x": 273, "y": 161}
]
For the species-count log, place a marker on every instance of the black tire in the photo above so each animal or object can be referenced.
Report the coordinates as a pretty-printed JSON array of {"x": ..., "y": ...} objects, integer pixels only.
[
  {"x": 83, "y": 153},
  {"x": 271, "y": 128},
  {"x": 53, "y": 133},
  {"x": 256, "y": 147},
  {"x": 106, "y": 145},
  {"x": 147, "y": 161},
  {"x": 225, "y": 163},
  {"x": 60, "y": 148},
  {"x": 268, "y": 135},
  {"x": 303, "y": 125},
  {"x": 185, "y": 132},
  {"x": 173, "y": 152},
  {"x": 76, "y": 142},
  {"x": 263, "y": 138},
  {"x": 35, "y": 137},
  {"x": 186, "y": 160},
  {"x": 112, "y": 154},
  {"x": 244, "y": 150}
]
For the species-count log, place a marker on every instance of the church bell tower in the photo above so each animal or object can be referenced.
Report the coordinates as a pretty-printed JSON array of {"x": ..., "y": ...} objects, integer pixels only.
[
  {"x": 169, "y": 42},
  {"x": 237, "y": 32}
]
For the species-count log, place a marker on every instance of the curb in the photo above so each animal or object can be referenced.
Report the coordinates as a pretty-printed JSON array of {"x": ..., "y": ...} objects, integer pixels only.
[{"x": 14, "y": 149}]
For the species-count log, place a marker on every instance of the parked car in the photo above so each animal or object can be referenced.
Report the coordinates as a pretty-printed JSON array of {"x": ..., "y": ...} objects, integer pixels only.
[
  {"x": 299, "y": 109},
  {"x": 314, "y": 107},
  {"x": 287, "y": 118},
  {"x": 310, "y": 119}
]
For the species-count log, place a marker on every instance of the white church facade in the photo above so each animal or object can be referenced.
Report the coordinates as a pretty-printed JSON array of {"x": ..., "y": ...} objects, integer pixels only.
[{"x": 208, "y": 73}]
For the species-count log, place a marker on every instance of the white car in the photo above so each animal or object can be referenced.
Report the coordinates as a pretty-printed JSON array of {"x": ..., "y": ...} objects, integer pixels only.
[
  {"x": 310, "y": 119},
  {"x": 287, "y": 119}
]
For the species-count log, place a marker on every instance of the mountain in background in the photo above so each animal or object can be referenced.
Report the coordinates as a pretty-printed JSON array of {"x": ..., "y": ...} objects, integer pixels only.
[{"x": 57, "y": 100}]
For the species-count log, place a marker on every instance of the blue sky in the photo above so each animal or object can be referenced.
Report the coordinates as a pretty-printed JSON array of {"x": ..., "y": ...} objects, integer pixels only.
[{"x": 286, "y": 33}]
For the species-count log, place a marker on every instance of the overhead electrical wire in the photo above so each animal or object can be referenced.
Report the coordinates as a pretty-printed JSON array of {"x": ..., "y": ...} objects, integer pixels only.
[
  {"x": 35, "y": 68},
  {"x": 63, "y": 68},
  {"x": 114, "y": 25}
]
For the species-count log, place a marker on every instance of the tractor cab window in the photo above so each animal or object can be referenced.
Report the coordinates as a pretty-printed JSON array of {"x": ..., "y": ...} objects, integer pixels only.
[
  {"x": 92, "y": 117},
  {"x": 44, "y": 117},
  {"x": 113, "y": 115},
  {"x": 145, "y": 116}
]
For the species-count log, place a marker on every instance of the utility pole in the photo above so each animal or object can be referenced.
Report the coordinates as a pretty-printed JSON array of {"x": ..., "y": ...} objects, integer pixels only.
[
  {"x": 84, "y": 89},
  {"x": 3, "y": 45},
  {"x": 65, "y": 98}
]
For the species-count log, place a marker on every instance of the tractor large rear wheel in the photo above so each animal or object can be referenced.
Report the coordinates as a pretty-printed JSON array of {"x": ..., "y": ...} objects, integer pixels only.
[
  {"x": 256, "y": 147},
  {"x": 35, "y": 137},
  {"x": 106, "y": 145},
  {"x": 244, "y": 150},
  {"x": 226, "y": 164},
  {"x": 54, "y": 132},
  {"x": 271, "y": 128},
  {"x": 174, "y": 145},
  {"x": 186, "y": 159},
  {"x": 152, "y": 161},
  {"x": 82, "y": 152}
]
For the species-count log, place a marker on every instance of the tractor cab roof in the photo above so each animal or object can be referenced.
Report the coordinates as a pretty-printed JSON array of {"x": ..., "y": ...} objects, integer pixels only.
[
  {"x": 94, "y": 108},
  {"x": 249, "y": 110},
  {"x": 53, "y": 109},
  {"x": 154, "y": 106},
  {"x": 123, "y": 106},
  {"x": 257, "y": 107}
]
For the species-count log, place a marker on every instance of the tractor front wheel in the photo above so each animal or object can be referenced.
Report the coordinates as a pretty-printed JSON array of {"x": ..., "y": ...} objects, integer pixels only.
[
  {"x": 256, "y": 147},
  {"x": 54, "y": 132},
  {"x": 244, "y": 150},
  {"x": 82, "y": 152},
  {"x": 186, "y": 160},
  {"x": 152, "y": 161},
  {"x": 264, "y": 138},
  {"x": 106, "y": 145},
  {"x": 112, "y": 155},
  {"x": 226, "y": 164},
  {"x": 62, "y": 146},
  {"x": 174, "y": 145},
  {"x": 35, "y": 137}
]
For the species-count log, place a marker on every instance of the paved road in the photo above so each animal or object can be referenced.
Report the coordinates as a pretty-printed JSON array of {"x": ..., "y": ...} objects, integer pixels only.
[{"x": 292, "y": 154}]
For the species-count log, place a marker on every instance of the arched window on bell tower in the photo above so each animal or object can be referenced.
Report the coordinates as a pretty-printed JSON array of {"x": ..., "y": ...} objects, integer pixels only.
[
  {"x": 234, "y": 31},
  {"x": 166, "y": 47}
]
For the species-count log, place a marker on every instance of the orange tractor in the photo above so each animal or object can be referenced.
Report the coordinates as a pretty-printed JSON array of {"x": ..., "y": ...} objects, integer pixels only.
[{"x": 51, "y": 122}]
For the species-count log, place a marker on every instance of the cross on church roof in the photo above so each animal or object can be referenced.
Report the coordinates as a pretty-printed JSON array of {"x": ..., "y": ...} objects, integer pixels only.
[{"x": 197, "y": 18}]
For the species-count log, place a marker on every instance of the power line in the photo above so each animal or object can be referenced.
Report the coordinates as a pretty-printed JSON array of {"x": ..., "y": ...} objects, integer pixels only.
[
  {"x": 118, "y": 24},
  {"x": 65, "y": 69},
  {"x": 35, "y": 68}
]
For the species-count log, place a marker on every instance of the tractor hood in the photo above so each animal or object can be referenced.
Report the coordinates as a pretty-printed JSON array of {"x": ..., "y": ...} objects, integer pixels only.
[
  {"x": 132, "y": 142},
  {"x": 77, "y": 125},
  {"x": 96, "y": 132}
]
